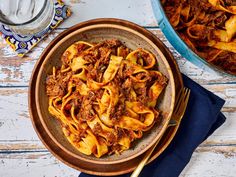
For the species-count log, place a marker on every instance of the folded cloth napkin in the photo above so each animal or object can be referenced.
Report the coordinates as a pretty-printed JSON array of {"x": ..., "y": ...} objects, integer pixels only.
[{"x": 201, "y": 119}]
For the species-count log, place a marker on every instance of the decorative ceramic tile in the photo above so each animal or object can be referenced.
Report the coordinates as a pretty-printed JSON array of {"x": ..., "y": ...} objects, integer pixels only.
[{"x": 23, "y": 44}]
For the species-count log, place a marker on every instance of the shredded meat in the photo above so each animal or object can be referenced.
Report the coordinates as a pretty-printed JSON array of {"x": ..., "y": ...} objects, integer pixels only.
[
  {"x": 117, "y": 112},
  {"x": 97, "y": 129},
  {"x": 230, "y": 2},
  {"x": 102, "y": 51},
  {"x": 57, "y": 85},
  {"x": 87, "y": 111}
]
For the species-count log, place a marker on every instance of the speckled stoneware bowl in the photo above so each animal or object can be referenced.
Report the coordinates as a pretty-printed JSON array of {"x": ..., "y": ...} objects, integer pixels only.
[{"x": 96, "y": 31}]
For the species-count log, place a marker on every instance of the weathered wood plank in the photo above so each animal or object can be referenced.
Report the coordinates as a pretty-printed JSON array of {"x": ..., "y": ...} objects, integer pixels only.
[
  {"x": 13, "y": 146},
  {"x": 14, "y": 121},
  {"x": 137, "y": 11},
  {"x": 38, "y": 164},
  {"x": 226, "y": 134},
  {"x": 15, "y": 71},
  {"x": 212, "y": 162},
  {"x": 9, "y": 146},
  {"x": 205, "y": 162},
  {"x": 16, "y": 126}
]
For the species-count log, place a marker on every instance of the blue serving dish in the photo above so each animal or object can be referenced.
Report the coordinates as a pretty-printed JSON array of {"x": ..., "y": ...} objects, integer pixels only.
[{"x": 178, "y": 43}]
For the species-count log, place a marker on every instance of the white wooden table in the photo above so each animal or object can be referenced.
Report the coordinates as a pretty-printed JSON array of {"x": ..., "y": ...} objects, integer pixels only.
[{"x": 23, "y": 155}]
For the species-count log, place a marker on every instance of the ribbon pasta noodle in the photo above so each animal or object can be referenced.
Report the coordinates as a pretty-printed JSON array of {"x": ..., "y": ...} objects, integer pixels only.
[
  {"x": 208, "y": 27},
  {"x": 105, "y": 95}
]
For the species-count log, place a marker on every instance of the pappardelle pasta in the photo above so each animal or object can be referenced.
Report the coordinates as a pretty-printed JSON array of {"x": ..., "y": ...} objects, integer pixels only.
[
  {"x": 105, "y": 95},
  {"x": 208, "y": 27}
]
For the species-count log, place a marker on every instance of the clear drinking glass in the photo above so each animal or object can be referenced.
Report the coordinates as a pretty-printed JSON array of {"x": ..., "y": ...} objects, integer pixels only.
[{"x": 26, "y": 17}]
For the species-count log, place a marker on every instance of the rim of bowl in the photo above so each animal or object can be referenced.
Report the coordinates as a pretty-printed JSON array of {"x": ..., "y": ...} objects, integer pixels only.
[
  {"x": 117, "y": 26},
  {"x": 32, "y": 93}
]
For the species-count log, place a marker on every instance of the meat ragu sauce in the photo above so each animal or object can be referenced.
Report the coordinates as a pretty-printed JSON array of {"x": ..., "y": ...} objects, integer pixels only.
[
  {"x": 105, "y": 95},
  {"x": 208, "y": 27}
]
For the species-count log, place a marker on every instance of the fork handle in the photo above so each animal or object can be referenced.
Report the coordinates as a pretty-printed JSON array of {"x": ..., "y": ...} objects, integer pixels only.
[{"x": 140, "y": 166}]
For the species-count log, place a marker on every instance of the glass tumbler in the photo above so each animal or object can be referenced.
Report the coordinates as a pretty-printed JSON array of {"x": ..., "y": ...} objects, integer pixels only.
[{"x": 26, "y": 17}]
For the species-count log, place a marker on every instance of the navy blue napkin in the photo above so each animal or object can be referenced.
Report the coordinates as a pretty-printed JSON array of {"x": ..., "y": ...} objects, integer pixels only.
[{"x": 201, "y": 119}]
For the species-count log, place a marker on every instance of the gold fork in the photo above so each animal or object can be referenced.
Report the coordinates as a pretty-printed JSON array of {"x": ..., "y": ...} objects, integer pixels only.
[{"x": 177, "y": 115}]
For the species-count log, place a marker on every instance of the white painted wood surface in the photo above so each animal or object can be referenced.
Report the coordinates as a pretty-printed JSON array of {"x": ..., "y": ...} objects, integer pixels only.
[
  {"x": 23, "y": 155},
  {"x": 138, "y": 11}
]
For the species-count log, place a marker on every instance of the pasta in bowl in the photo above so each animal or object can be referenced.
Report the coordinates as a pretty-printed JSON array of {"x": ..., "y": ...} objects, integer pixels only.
[
  {"x": 105, "y": 95},
  {"x": 113, "y": 100}
]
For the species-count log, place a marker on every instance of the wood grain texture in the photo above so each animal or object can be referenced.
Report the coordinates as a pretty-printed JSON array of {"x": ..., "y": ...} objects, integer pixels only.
[
  {"x": 138, "y": 11},
  {"x": 218, "y": 162},
  {"x": 34, "y": 164},
  {"x": 204, "y": 163}
]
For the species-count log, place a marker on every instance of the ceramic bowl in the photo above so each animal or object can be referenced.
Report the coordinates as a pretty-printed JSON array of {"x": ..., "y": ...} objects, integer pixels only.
[{"x": 96, "y": 31}]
